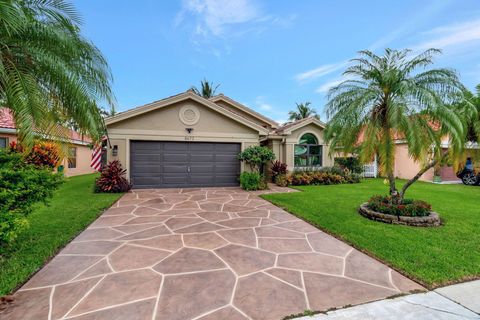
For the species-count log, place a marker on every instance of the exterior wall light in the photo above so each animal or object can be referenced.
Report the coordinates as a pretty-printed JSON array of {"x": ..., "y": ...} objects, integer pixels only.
[{"x": 115, "y": 151}]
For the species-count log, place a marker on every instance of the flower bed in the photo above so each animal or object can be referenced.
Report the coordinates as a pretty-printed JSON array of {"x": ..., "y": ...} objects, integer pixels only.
[
  {"x": 409, "y": 212},
  {"x": 323, "y": 176}
]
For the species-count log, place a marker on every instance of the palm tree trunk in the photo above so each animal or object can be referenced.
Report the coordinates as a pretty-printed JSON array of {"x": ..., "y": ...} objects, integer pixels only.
[
  {"x": 419, "y": 174},
  {"x": 391, "y": 180}
]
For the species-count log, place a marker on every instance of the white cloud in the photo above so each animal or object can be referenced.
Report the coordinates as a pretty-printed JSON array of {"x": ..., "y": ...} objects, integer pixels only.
[
  {"x": 328, "y": 85},
  {"x": 320, "y": 71},
  {"x": 214, "y": 15},
  {"x": 217, "y": 18},
  {"x": 265, "y": 107},
  {"x": 453, "y": 35}
]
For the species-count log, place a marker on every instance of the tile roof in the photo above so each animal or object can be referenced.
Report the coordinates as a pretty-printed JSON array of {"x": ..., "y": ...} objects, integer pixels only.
[
  {"x": 7, "y": 122},
  {"x": 6, "y": 119}
]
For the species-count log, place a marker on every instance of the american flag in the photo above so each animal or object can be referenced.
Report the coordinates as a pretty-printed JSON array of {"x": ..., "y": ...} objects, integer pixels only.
[{"x": 97, "y": 152}]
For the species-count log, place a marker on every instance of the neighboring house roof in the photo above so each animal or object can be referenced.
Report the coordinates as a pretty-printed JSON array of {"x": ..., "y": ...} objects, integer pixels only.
[
  {"x": 7, "y": 125},
  {"x": 181, "y": 97},
  {"x": 245, "y": 109},
  {"x": 6, "y": 119},
  {"x": 292, "y": 126}
]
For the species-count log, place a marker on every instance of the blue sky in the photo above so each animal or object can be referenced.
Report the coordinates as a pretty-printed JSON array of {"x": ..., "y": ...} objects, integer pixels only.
[{"x": 269, "y": 54}]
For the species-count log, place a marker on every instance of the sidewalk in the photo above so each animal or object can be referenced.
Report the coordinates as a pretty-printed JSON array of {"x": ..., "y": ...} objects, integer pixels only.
[{"x": 460, "y": 301}]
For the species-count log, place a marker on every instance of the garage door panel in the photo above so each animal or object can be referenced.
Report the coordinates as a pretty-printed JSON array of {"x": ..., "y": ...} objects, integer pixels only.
[
  {"x": 231, "y": 148},
  {"x": 203, "y": 158},
  {"x": 202, "y": 147},
  {"x": 181, "y": 168},
  {"x": 169, "y": 179},
  {"x": 194, "y": 169},
  {"x": 147, "y": 181},
  {"x": 175, "y": 157},
  {"x": 157, "y": 164},
  {"x": 148, "y": 169},
  {"x": 174, "y": 146},
  {"x": 155, "y": 158}
]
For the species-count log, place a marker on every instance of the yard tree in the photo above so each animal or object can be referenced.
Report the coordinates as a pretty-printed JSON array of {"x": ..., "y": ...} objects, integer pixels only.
[
  {"x": 50, "y": 74},
  {"x": 397, "y": 96},
  {"x": 304, "y": 110},
  {"x": 207, "y": 89}
]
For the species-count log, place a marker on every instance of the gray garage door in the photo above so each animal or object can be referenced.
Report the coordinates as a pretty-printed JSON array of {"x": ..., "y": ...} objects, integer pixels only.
[{"x": 156, "y": 164}]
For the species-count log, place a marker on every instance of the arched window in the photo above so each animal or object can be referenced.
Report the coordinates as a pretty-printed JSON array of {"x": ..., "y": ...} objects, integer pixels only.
[{"x": 308, "y": 153}]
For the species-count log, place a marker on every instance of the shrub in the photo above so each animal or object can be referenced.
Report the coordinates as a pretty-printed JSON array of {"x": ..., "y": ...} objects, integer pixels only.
[
  {"x": 256, "y": 157},
  {"x": 42, "y": 155},
  {"x": 350, "y": 163},
  {"x": 283, "y": 180},
  {"x": 278, "y": 168},
  {"x": 251, "y": 181},
  {"x": 388, "y": 205},
  {"x": 112, "y": 179},
  {"x": 324, "y": 176},
  {"x": 21, "y": 186}
]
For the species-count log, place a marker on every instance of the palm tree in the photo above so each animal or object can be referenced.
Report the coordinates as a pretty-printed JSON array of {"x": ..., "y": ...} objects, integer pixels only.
[
  {"x": 50, "y": 74},
  {"x": 207, "y": 90},
  {"x": 303, "y": 111},
  {"x": 388, "y": 98}
]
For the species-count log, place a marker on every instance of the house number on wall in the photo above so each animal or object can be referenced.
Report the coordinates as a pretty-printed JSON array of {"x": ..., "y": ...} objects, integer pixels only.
[{"x": 189, "y": 138}]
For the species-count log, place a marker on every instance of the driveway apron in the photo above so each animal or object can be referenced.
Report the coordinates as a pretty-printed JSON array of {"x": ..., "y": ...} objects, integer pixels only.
[{"x": 210, "y": 253}]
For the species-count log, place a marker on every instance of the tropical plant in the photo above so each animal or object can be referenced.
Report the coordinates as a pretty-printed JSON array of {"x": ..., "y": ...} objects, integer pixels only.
[
  {"x": 256, "y": 157},
  {"x": 251, "y": 181},
  {"x": 304, "y": 110},
  {"x": 392, "y": 97},
  {"x": 207, "y": 89},
  {"x": 21, "y": 186},
  {"x": 278, "y": 168},
  {"x": 49, "y": 74},
  {"x": 112, "y": 179}
]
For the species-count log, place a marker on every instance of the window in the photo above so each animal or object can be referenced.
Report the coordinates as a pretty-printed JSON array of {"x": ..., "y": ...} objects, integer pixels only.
[
  {"x": 3, "y": 143},
  {"x": 72, "y": 157},
  {"x": 308, "y": 153}
]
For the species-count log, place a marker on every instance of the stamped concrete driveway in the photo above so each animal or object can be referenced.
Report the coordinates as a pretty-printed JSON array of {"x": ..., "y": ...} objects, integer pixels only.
[{"x": 214, "y": 253}]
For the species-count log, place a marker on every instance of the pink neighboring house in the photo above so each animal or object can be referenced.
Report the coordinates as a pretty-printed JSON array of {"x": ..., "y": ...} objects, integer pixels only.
[{"x": 78, "y": 160}]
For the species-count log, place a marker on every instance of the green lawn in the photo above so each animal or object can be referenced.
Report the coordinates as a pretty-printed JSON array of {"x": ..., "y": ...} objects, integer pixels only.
[
  {"x": 73, "y": 207},
  {"x": 432, "y": 256}
]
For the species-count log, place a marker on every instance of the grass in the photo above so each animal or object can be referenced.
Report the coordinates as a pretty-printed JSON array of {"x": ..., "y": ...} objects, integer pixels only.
[
  {"x": 73, "y": 207},
  {"x": 432, "y": 256}
]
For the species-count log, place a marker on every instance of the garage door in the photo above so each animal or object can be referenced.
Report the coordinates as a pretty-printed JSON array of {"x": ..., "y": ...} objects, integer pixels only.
[{"x": 156, "y": 164}]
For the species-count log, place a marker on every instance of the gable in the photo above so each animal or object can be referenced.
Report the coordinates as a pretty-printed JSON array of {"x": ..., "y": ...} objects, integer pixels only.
[
  {"x": 244, "y": 111},
  {"x": 127, "y": 118},
  {"x": 169, "y": 118}
]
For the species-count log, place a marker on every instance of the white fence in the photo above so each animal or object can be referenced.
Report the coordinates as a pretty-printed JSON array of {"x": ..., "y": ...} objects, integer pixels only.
[{"x": 371, "y": 170}]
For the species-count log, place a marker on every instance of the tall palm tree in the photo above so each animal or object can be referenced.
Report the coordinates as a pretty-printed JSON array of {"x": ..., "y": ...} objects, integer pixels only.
[
  {"x": 303, "y": 111},
  {"x": 393, "y": 97},
  {"x": 207, "y": 89},
  {"x": 50, "y": 74}
]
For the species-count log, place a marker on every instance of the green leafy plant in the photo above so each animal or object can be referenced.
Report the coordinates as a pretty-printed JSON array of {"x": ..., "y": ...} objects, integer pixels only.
[
  {"x": 251, "y": 181},
  {"x": 390, "y": 205},
  {"x": 351, "y": 163},
  {"x": 21, "y": 186},
  {"x": 256, "y": 157},
  {"x": 50, "y": 74},
  {"x": 323, "y": 176},
  {"x": 278, "y": 168},
  {"x": 282, "y": 180},
  {"x": 396, "y": 96},
  {"x": 112, "y": 179}
]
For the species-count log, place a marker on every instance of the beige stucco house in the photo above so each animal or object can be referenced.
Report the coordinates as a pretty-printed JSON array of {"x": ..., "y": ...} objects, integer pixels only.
[
  {"x": 189, "y": 141},
  {"x": 77, "y": 161}
]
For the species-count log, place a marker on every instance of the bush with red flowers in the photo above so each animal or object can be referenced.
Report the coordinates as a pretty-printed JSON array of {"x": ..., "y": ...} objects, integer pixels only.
[
  {"x": 408, "y": 207},
  {"x": 112, "y": 179}
]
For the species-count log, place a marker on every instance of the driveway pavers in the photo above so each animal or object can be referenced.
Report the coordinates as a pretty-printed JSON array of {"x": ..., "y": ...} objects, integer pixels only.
[{"x": 210, "y": 253}]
